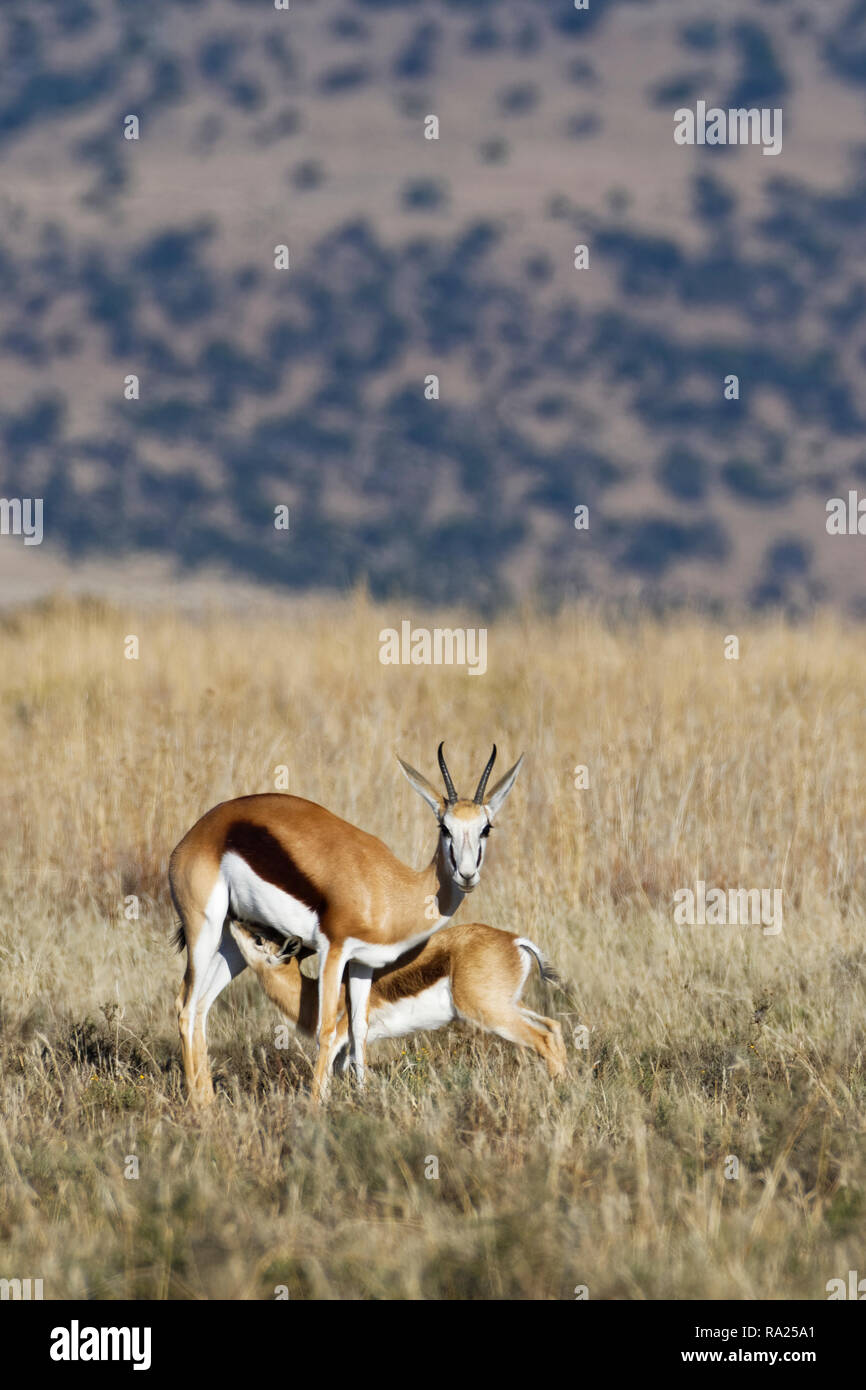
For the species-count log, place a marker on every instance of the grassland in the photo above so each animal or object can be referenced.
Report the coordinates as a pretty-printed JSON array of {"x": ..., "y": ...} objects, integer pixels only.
[{"x": 704, "y": 1042}]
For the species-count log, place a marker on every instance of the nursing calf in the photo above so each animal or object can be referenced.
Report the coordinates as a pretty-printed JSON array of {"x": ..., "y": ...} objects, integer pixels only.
[{"x": 471, "y": 972}]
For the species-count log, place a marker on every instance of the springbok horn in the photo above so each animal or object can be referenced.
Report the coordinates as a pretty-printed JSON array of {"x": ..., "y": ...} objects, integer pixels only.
[
  {"x": 449, "y": 785},
  {"x": 482, "y": 785}
]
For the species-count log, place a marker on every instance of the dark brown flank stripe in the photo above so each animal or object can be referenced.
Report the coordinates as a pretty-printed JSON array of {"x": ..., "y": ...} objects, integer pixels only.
[
  {"x": 267, "y": 858},
  {"x": 404, "y": 978}
]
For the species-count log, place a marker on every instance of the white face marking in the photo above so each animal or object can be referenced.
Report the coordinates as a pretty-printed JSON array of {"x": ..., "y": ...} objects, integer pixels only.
[
  {"x": 463, "y": 835},
  {"x": 430, "y": 1009},
  {"x": 253, "y": 899}
]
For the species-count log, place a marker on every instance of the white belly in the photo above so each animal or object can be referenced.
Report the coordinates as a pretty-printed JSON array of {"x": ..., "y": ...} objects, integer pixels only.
[
  {"x": 378, "y": 956},
  {"x": 430, "y": 1009},
  {"x": 254, "y": 899}
]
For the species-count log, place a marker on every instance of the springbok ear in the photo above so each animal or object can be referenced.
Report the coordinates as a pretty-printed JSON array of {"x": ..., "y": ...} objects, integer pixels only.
[
  {"x": 422, "y": 787},
  {"x": 494, "y": 799}
]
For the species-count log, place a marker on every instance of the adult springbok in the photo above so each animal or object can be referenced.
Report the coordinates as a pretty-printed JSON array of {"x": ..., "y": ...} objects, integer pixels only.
[
  {"x": 469, "y": 971},
  {"x": 282, "y": 862}
]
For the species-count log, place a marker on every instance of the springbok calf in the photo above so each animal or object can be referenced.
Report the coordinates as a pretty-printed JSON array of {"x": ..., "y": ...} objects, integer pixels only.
[
  {"x": 281, "y": 862},
  {"x": 471, "y": 972}
]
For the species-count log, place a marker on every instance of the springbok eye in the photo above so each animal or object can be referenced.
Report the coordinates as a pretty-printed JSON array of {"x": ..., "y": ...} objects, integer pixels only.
[
  {"x": 444, "y": 828},
  {"x": 486, "y": 831}
]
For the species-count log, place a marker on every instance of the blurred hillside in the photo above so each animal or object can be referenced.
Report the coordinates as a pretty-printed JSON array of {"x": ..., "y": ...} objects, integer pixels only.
[{"x": 454, "y": 257}]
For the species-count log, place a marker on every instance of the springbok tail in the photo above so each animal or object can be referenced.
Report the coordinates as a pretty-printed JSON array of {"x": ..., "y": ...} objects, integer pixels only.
[
  {"x": 545, "y": 969},
  {"x": 178, "y": 940}
]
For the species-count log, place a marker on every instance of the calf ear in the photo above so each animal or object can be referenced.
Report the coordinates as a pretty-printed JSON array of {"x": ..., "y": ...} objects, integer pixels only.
[
  {"x": 422, "y": 787},
  {"x": 290, "y": 948},
  {"x": 497, "y": 795},
  {"x": 309, "y": 966}
]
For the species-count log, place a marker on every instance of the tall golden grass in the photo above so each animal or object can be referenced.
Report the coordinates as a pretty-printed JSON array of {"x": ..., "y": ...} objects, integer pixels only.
[{"x": 703, "y": 1042}]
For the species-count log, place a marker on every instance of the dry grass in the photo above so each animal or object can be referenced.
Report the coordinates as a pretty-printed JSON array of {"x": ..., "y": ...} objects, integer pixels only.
[{"x": 704, "y": 1041}]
